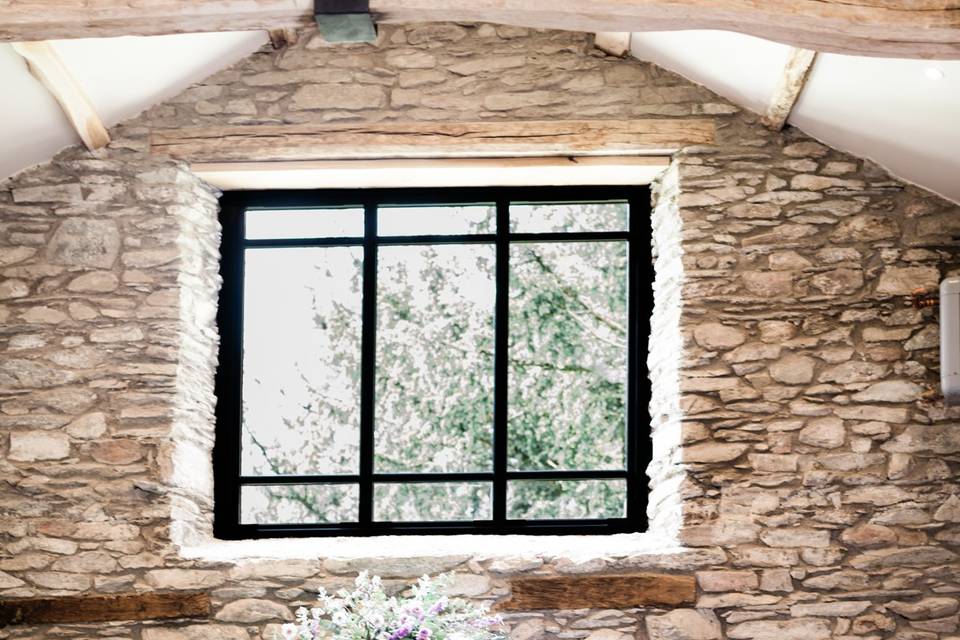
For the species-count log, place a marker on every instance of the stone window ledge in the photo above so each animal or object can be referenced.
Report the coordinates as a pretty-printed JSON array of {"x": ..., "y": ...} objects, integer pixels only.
[{"x": 577, "y": 549}]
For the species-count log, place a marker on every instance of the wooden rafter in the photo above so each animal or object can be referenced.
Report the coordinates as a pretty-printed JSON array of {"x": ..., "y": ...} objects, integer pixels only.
[
  {"x": 45, "y": 64},
  {"x": 916, "y": 29},
  {"x": 789, "y": 87}
]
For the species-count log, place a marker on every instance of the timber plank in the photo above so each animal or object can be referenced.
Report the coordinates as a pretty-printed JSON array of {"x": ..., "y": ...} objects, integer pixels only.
[
  {"x": 351, "y": 141},
  {"x": 126, "y": 607},
  {"x": 599, "y": 592},
  {"x": 888, "y": 28}
]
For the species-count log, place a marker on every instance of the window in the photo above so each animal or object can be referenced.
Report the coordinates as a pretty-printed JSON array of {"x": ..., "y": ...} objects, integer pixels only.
[{"x": 415, "y": 361}]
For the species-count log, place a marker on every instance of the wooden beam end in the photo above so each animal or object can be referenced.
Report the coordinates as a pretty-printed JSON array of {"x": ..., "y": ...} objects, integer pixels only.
[{"x": 600, "y": 592}]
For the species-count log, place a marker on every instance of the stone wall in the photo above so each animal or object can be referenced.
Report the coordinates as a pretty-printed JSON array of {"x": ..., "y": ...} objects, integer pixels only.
[{"x": 818, "y": 496}]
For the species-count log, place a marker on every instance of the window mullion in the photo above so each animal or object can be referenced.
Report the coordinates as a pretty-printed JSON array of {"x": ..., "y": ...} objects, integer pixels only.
[
  {"x": 501, "y": 340},
  {"x": 368, "y": 362}
]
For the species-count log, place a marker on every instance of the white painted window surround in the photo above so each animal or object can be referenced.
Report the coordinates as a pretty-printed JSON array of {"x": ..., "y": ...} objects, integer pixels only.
[{"x": 659, "y": 542}]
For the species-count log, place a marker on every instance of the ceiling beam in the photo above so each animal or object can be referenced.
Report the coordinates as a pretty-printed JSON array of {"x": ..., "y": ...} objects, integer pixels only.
[
  {"x": 917, "y": 29},
  {"x": 46, "y": 66},
  {"x": 789, "y": 87},
  {"x": 495, "y": 138}
]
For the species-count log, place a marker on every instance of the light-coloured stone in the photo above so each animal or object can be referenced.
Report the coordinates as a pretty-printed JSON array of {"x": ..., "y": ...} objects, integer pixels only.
[
  {"x": 84, "y": 242},
  {"x": 708, "y": 452},
  {"x": 389, "y": 567},
  {"x": 338, "y": 96},
  {"x": 949, "y": 511},
  {"x": 94, "y": 282},
  {"x": 184, "y": 578},
  {"x": 716, "y": 336},
  {"x": 684, "y": 624},
  {"x": 827, "y": 433},
  {"x": 795, "y": 629},
  {"x": 793, "y": 369},
  {"x": 196, "y": 632},
  {"x": 727, "y": 580},
  {"x": 844, "y": 609},
  {"x": 253, "y": 610},
  {"x": 925, "y": 608},
  {"x": 902, "y": 281},
  {"x": 890, "y": 391},
  {"x": 31, "y": 446},
  {"x": 795, "y": 537}
]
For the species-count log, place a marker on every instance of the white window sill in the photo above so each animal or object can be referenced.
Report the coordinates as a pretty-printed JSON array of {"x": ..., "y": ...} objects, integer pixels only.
[{"x": 577, "y": 549}]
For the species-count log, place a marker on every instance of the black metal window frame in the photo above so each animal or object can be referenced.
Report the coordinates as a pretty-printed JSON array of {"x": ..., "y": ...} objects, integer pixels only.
[{"x": 228, "y": 478}]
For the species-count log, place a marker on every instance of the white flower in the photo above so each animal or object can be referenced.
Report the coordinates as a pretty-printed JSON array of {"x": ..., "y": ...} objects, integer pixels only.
[
  {"x": 341, "y": 617},
  {"x": 289, "y": 631}
]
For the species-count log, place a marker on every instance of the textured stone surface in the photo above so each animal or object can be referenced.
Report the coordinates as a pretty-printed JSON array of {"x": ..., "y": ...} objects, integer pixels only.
[
  {"x": 798, "y": 451},
  {"x": 684, "y": 624}
]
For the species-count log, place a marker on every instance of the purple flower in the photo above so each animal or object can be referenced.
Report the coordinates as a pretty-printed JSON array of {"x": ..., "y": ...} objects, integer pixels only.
[
  {"x": 401, "y": 631},
  {"x": 438, "y": 606},
  {"x": 424, "y": 634},
  {"x": 416, "y": 611}
]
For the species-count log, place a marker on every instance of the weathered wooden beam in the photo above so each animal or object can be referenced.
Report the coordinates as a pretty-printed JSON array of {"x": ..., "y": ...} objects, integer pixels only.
[
  {"x": 128, "y": 607},
  {"x": 916, "y": 29},
  {"x": 350, "y": 141},
  {"x": 47, "y": 67},
  {"x": 614, "y": 43},
  {"x": 599, "y": 592},
  {"x": 789, "y": 87}
]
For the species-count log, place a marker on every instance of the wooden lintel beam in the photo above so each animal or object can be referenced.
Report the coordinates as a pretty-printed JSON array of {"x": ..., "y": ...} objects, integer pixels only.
[
  {"x": 789, "y": 87},
  {"x": 918, "y": 29},
  {"x": 47, "y": 67},
  {"x": 614, "y": 43},
  {"x": 351, "y": 141},
  {"x": 599, "y": 592},
  {"x": 83, "y": 609}
]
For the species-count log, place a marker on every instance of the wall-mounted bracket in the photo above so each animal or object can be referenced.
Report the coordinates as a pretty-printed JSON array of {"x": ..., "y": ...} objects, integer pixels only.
[{"x": 345, "y": 20}]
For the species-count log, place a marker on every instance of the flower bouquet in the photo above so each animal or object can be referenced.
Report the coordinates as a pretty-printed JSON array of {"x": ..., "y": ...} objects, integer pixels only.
[{"x": 367, "y": 613}]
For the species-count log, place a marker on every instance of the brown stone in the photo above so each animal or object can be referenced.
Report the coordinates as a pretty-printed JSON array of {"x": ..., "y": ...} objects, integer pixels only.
[
  {"x": 768, "y": 284},
  {"x": 869, "y": 535},
  {"x": 716, "y": 336},
  {"x": 793, "y": 369},
  {"x": 115, "y": 451}
]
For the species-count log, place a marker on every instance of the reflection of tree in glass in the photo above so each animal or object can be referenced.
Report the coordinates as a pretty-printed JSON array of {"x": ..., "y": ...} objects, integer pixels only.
[{"x": 434, "y": 409}]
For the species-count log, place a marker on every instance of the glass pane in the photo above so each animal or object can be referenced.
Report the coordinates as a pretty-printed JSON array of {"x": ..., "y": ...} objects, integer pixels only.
[
  {"x": 422, "y": 502},
  {"x": 568, "y": 499},
  {"x": 568, "y": 355},
  {"x": 301, "y": 361},
  {"x": 434, "y": 407},
  {"x": 304, "y": 223},
  {"x": 553, "y": 217},
  {"x": 299, "y": 504},
  {"x": 436, "y": 221}
]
